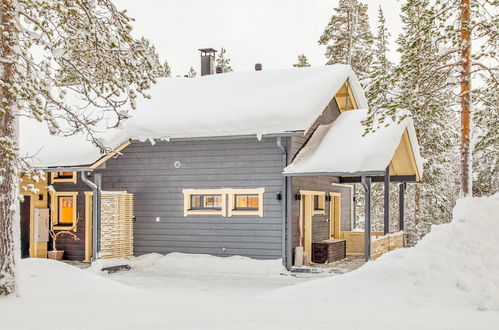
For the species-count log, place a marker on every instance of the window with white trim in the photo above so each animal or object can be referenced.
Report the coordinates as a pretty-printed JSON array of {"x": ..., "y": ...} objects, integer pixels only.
[
  {"x": 64, "y": 210},
  {"x": 246, "y": 202},
  {"x": 204, "y": 201},
  {"x": 224, "y": 202},
  {"x": 63, "y": 177}
]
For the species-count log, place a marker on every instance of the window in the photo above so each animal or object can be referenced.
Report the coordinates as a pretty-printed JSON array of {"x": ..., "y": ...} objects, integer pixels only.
[
  {"x": 209, "y": 201},
  {"x": 246, "y": 201},
  {"x": 206, "y": 202},
  {"x": 215, "y": 201},
  {"x": 319, "y": 204},
  {"x": 63, "y": 177},
  {"x": 318, "y": 200},
  {"x": 64, "y": 210}
]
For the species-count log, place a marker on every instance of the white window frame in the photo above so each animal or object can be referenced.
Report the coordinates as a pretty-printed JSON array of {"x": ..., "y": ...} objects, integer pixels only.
[
  {"x": 187, "y": 202},
  {"x": 232, "y": 200},
  {"x": 55, "y": 177},
  {"x": 228, "y": 197},
  {"x": 54, "y": 197}
]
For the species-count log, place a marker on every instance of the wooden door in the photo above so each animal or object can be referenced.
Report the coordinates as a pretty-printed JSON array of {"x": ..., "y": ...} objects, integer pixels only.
[
  {"x": 335, "y": 216},
  {"x": 25, "y": 226}
]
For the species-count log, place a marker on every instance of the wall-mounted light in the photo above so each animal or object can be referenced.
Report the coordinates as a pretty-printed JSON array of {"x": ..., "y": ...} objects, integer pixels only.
[
  {"x": 297, "y": 197},
  {"x": 279, "y": 196}
]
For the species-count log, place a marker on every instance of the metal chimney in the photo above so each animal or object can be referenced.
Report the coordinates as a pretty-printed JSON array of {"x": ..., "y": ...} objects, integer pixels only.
[
  {"x": 207, "y": 61},
  {"x": 258, "y": 67}
]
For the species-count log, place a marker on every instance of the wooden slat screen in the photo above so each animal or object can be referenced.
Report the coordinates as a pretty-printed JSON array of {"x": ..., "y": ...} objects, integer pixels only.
[{"x": 116, "y": 225}]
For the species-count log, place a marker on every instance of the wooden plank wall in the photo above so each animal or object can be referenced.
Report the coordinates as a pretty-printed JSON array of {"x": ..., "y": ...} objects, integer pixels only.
[{"x": 149, "y": 172}]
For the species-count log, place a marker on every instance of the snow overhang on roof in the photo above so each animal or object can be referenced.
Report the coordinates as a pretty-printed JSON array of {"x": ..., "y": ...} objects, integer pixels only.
[
  {"x": 230, "y": 104},
  {"x": 341, "y": 149}
]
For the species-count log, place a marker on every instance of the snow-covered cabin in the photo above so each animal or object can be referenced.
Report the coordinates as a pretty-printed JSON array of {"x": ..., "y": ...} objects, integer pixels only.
[{"x": 241, "y": 163}]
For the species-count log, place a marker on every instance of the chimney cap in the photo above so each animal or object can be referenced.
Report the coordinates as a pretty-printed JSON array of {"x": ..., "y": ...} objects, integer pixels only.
[
  {"x": 207, "y": 51},
  {"x": 258, "y": 67}
]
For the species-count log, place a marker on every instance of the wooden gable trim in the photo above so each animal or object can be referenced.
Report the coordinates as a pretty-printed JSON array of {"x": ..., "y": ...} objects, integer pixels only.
[
  {"x": 403, "y": 162},
  {"x": 345, "y": 98},
  {"x": 114, "y": 153}
]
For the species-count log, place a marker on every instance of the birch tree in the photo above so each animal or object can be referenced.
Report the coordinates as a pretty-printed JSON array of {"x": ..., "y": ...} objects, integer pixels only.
[{"x": 51, "y": 49}]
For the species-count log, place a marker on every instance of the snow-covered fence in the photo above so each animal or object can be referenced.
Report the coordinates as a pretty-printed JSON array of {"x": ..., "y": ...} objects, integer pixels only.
[{"x": 116, "y": 225}]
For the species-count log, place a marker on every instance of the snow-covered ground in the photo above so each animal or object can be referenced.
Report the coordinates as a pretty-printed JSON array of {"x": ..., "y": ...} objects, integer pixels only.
[{"x": 450, "y": 280}]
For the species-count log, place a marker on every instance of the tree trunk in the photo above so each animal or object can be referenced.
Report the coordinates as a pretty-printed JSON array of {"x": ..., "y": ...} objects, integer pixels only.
[
  {"x": 8, "y": 151},
  {"x": 465, "y": 98}
]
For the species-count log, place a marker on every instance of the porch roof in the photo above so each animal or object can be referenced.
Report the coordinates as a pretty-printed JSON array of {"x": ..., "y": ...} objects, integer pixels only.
[{"x": 341, "y": 149}]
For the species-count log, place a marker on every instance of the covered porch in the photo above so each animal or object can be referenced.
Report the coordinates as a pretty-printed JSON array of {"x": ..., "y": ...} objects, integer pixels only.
[{"x": 341, "y": 150}]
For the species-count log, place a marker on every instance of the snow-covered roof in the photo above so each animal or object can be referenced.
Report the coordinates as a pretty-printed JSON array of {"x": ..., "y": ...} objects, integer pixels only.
[
  {"x": 236, "y": 103},
  {"x": 341, "y": 148}
]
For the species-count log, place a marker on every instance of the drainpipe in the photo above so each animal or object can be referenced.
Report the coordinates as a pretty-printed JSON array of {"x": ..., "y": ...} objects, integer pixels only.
[
  {"x": 96, "y": 189},
  {"x": 366, "y": 183},
  {"x": 286, "y": 222}
]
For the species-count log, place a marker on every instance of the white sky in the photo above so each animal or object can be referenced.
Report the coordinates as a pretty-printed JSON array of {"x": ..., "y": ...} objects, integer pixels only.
[{"x": 271, "y": 32}]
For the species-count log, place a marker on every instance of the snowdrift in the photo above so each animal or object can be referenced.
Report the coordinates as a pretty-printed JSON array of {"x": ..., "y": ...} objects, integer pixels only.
[
  {"x": 455, "y": 266},
  {"x": 198, "y": 263}
]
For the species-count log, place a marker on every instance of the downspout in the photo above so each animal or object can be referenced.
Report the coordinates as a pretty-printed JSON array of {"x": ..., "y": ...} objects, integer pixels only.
[
  {"x": 95, "y": 211},
  {"x": 286, "y": 223}
]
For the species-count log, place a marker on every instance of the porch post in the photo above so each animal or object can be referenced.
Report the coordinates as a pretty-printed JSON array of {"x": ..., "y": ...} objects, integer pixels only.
[
  {"x": 401, "y": 205},
  {"x": 386, "y": 204},
  {"x": 96, "y": 220},
  {"x": 366, "y": 182}
]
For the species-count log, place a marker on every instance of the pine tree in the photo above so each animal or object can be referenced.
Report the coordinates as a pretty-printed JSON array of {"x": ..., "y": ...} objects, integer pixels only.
[
  {"x": 348, "y": 37},
  {"x": 223, "y": 61},
  {"x": 87, "y": 51},
  {"x": 465, "y": 22},
  {"x": 192, "y": 73},
  {"x": 302, "y": 61},
  {"x": 380, "y": 78},
  {"x": 424, "y": 92},
  {"x": 166, "y": 71},
  {"x": 486, "y": 135}
]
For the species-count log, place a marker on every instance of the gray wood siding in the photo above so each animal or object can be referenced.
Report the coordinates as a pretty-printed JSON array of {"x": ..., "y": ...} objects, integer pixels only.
[
  {"x": 149, "y": 173},
  {"x": 316, "y": 183},
  {"x": 319, "y": 183},
  {"x": 320, "y": 228}
]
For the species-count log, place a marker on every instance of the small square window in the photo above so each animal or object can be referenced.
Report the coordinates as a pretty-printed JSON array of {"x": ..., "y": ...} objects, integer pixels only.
[
  {"x": 64, "y": 210},
  {"x": 247, "y": 202},
  {"x": 63, "y": 177},
  {"x": 198, "y": 201},
  {"x": 318, "y": 203},
  {"x": 206, "y": 202}
]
